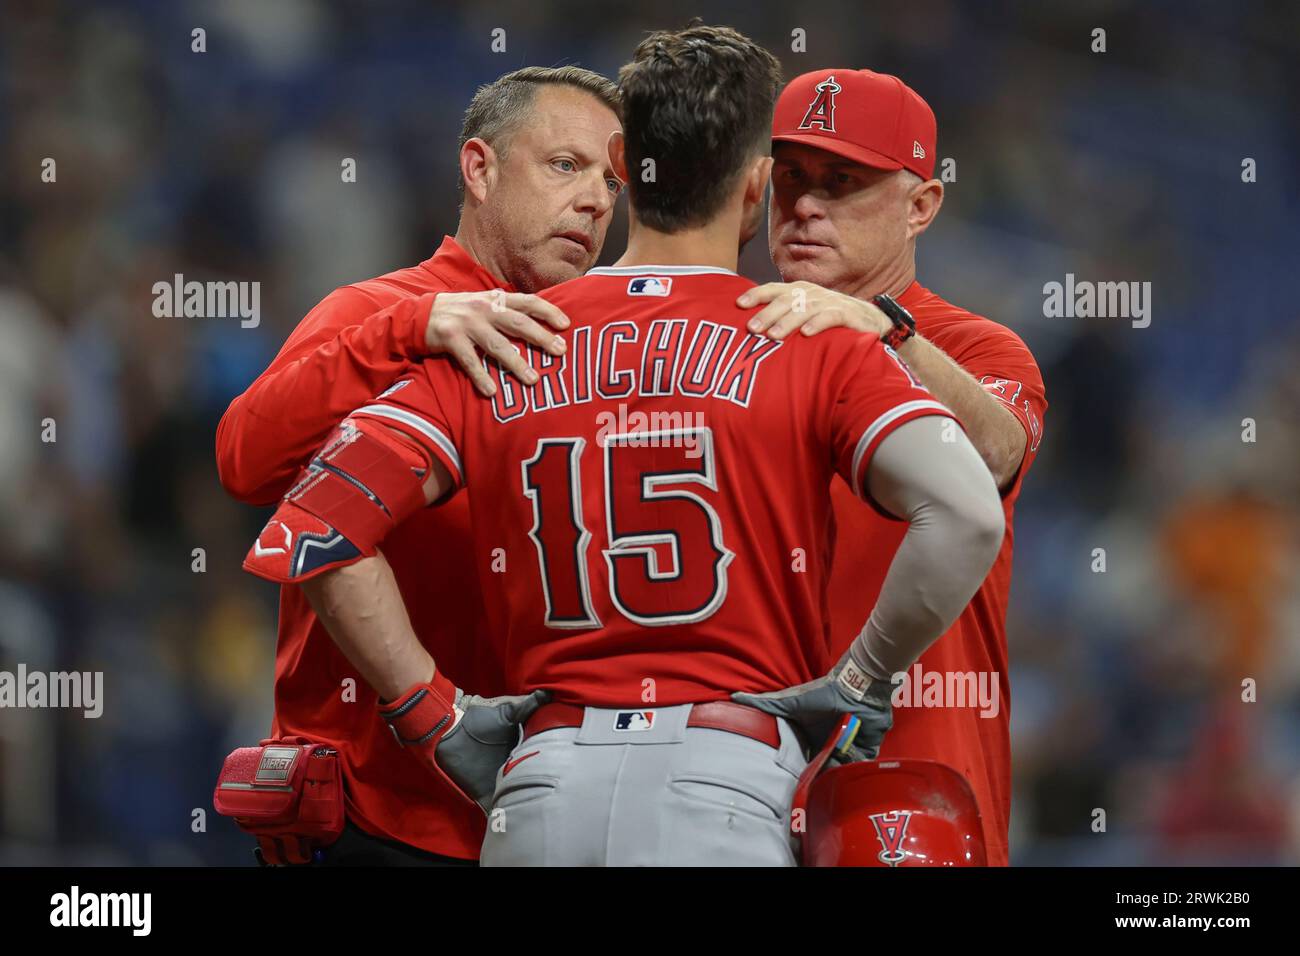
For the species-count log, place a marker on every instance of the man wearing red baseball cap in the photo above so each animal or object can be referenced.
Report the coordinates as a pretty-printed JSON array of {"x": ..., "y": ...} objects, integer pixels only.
[
  {"x": 886, "y": 124},
  {"x": 852, "y": 190}
]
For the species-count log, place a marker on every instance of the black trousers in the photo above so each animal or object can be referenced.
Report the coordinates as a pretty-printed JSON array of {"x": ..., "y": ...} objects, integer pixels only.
[{"x": 355, "y": 847}]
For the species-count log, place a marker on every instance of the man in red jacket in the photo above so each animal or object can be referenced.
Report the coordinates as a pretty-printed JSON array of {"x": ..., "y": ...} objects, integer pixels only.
[
  {"x": 853, "y": 188},
  {"x": 538, "y": 191}
]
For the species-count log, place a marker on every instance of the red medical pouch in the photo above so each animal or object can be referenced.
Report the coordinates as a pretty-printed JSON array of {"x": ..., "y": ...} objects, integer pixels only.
[{"x": 288, "y": 793}]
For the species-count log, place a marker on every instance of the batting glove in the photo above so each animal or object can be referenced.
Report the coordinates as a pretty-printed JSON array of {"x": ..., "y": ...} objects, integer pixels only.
[
  {"x": 478, "y": 746},
  {"x": 463, "y": 738},
  {"x": 817, "y": 707}
]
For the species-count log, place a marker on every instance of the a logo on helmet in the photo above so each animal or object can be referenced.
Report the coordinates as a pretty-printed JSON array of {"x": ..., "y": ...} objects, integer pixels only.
[
  {"x": 821, "y": 111},
  {"x": 891, "y": 828}
]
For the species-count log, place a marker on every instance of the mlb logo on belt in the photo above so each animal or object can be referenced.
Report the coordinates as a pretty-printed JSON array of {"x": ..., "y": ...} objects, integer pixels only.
[
  {"x": 634, "y": 720},
  {"x": 650, "y": 285}
]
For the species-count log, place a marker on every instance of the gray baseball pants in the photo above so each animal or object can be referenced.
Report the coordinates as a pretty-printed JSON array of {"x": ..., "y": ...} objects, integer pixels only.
[{"x": 663, "y": 795}]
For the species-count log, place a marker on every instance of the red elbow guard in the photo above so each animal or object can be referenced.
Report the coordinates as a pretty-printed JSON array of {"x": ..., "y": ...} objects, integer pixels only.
[{"x": 362, "y": 483}]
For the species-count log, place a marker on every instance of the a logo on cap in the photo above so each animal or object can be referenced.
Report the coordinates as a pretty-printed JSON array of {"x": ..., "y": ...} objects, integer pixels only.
[
  {"x": 918, "y": 151},
  {"x": 821, "y": 111}
]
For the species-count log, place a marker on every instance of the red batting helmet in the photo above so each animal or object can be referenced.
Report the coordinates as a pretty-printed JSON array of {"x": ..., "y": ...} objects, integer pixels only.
[{"x": 887, "y": 813}]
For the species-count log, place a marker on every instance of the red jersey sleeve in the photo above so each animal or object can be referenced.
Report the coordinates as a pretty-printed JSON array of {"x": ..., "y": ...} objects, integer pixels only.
[
  {"x": 1002, "y": 363},
  {"x": 871, "y": 392},
  {"x": 427, "y": 407},
  {"x": 343, "y": 352}
]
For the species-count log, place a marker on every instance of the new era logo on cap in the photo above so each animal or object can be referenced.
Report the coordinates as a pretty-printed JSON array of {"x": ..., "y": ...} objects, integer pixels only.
[{"x": 870, "y": 118}]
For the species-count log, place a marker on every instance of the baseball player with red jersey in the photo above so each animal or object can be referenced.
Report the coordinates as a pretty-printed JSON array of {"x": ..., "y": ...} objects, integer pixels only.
[
  {"x": 650, "y": 519},
  {"x": 852, "y": 189},
  {"x": 538, "y": 192}
]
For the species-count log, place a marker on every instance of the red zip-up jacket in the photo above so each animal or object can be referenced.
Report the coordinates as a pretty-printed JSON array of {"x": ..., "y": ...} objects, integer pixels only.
[{"x": 346, "y": 351}]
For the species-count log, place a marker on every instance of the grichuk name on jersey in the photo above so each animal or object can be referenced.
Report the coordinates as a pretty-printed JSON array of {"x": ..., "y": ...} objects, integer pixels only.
[{"x": 625, "y": 359}]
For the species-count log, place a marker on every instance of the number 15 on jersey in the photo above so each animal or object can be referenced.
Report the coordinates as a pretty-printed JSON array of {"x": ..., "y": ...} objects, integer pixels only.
[{"x": 666, "y": 559}]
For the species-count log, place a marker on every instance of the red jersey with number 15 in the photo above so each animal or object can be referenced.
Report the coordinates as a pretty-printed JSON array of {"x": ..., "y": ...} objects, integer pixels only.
[{"x": 651, "y": 518}]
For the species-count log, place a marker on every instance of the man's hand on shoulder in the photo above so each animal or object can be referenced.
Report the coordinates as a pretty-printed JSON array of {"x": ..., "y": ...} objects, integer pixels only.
[
  {"x": 809, "y": 308},
  {"x": 460, "y": 323}
]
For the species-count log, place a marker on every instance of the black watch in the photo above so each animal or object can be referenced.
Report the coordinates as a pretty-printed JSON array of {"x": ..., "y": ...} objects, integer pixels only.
[{"x": 904, "y": 325}]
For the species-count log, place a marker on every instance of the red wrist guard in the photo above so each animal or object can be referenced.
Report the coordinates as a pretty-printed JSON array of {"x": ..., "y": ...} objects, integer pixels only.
[{"x": 420, "y": 718}]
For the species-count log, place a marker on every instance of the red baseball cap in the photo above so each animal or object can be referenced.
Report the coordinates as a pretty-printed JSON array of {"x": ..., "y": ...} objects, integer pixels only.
[{"x": 871, "y": 118}]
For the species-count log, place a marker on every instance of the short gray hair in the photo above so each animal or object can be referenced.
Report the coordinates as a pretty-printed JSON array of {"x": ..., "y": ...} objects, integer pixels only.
[{"x": 495, "y": 112}]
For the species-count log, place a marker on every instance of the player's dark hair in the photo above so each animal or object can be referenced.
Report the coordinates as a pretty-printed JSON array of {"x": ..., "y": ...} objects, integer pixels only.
[
  {"x": 495, "y": 112},
  {"x": 698, "y": 104}
]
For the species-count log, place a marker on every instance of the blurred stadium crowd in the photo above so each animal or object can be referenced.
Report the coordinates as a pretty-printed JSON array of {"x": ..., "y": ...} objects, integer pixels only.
[{"x": 1127, "y": 684}]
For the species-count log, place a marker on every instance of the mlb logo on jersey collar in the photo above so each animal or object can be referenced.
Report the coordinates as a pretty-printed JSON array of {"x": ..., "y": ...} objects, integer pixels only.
[
  {"x": 650, "y": 285},
  {"x": 631, "y": 721}
]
